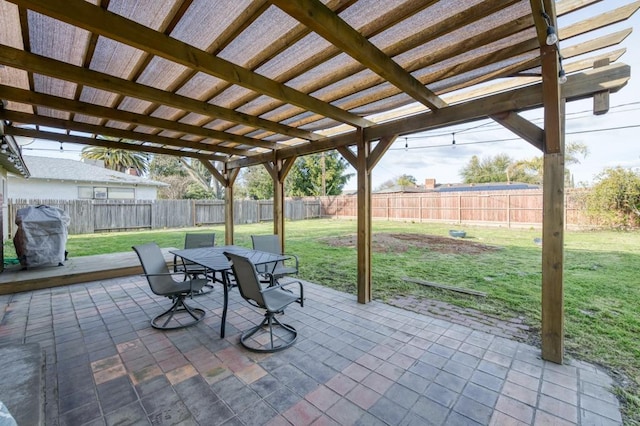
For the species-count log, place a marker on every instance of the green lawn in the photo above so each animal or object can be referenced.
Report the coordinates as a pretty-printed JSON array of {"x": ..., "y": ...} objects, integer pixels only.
[{"x": 602, "y": 278}]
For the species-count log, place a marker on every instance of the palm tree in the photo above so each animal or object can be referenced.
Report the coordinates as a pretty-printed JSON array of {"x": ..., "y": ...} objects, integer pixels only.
[{"x": 117, "y": 159}]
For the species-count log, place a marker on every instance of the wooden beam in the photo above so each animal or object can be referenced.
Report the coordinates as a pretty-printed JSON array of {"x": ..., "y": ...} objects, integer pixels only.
[
  {"x": 56, "y": 102},
  {"x": 364, "y": 219},
  {"x": 578, "y": 86},
  {"x": 375, "y": 27},
  {"x": 601, "y": 99},
  {"x": 553, "y": 190},
  {"x": 553, "y": 248},
  {"x": 380, "y": 149},
  {"x": 229, "y": 178},
  {"x": 596, "y": 44},
  {"x": 19, "y": 117},
  {"x": 62, "y": 70},
  {"x": 278, "y": 203},
  {"x": 521, "y": 127},
  {"x": 327, "y": 24},
  {"x": 600, "y": 21},
  {"x": 59, "y": 137},
  {"x": 348, "y": 155},
  {"x": 214, "y": 172},
  {"x": 287, "y": 164},
  {"x": 116, "y": 27}
]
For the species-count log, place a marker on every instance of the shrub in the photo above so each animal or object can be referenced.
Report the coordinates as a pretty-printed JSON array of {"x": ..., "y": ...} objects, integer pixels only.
[{"x": 615, "y": 198}]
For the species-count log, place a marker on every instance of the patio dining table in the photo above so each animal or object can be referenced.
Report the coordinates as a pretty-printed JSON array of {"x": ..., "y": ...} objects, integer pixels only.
[{"x": 217, "y": 266}]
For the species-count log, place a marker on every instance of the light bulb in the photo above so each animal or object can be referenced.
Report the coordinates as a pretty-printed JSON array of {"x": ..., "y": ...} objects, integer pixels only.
[
  {"x": 552, "y": 37},
  {"x": 562, "y": 77}
]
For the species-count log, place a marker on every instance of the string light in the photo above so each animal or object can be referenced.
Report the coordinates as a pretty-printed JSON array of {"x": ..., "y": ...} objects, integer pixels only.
[
  {"x": 406, "y": 144},
  {"x": 552, "y": 35},
  {"x": 453, "y": 141},
  {"x": 562, "y": 76}
]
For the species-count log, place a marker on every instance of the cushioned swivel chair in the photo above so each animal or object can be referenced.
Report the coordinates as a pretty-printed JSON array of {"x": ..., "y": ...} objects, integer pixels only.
[
  {"x": 273, "y": 299},
  {"x": 162, "y": 283},
  {"x": 271, "y": 244}
]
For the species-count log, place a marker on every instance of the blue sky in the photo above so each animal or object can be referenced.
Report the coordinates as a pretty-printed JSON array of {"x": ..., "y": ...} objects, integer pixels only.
[{"x": 611, "y": 138}]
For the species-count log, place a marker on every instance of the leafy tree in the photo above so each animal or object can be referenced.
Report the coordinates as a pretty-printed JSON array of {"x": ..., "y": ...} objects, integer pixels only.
[
  {"x": 489, "y": 169},
  {"x": 166, "y": 165},
  {"x": 117, "y": 159},
  {"x": 307, "y": 177},
  {"x": 196, "y": 191},
  {"x": 256, "y": 183},
  {"x": 317, "y": 174},
  {"x": 406, "y": 180},
  {"x": 177, "y": 189},
  {"x": 198, "y": 181},
  {"x": 403, "y": 180},
  {"x": 532, "y": 170},
  {"x": 502, "y": 168},
  {"x": 615, "y": 198}
]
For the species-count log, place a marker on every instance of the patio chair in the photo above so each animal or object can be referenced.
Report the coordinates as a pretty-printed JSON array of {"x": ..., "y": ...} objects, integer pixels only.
[
  {"x": 162, "y": 283},
  {"x": 277, "y": 335},
  {"x": 271, "y": 244},
  {"x": 192, "y": 270}
]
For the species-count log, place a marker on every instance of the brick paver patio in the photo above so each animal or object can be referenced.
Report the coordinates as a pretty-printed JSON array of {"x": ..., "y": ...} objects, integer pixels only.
[{"x": 353, "y": 364}]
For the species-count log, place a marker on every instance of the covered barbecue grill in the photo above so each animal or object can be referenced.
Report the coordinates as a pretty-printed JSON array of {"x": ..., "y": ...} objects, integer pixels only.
[{"x": 41, "y": 236}]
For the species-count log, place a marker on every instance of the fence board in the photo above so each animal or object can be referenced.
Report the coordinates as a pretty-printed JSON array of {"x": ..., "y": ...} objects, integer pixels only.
[
  {"x": 497, "y": 208},
  {"x": 89, "y": 216}
]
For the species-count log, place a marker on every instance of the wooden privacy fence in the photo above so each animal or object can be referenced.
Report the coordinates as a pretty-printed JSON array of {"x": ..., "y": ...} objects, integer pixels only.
[
  {"x": 495, "y": 208},
  {"x": 89, "y": 216},
  {"x": 492, "y": 208}
]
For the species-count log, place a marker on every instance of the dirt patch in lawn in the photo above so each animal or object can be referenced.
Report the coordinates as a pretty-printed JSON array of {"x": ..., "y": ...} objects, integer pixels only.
[{"x": 387, "y": 242}]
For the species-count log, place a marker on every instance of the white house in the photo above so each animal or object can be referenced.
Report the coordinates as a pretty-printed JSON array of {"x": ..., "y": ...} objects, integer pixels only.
[
  {"x": 64, "y": 179},
  {"x": 11, "y": 162}
]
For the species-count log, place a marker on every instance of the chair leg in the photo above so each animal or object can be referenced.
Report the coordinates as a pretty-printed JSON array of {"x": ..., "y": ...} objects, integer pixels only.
[
  {"x": 271, "y": 321},
  {"x": 177, "y": 307}
]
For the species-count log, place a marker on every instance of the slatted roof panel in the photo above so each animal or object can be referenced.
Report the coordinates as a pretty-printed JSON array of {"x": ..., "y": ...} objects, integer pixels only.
[{"x": 226, "y": 80}]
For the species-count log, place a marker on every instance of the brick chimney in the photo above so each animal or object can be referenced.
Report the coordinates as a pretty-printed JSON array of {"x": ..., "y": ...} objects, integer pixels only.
[{"x": 430, "y": 183}]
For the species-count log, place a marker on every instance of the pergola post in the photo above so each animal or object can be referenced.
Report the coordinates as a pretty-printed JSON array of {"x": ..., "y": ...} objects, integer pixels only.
[
  {"x": 553, "y": 210},
  {"x": 228, "y": 215},
  {"x": 364, "y": 218},
  {"x": 229, "y": 179},
  {"x": 278, "y": 203},
  {"x": 279, "y": 169}
]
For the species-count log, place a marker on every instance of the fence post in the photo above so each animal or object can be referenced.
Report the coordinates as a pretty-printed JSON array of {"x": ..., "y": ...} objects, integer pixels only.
[
  {"x": 388, "y": 208},
  {"x": 566, "y": 199},
  {"x": 459, "y": 209},
  {"x": 509, "y": 211}
]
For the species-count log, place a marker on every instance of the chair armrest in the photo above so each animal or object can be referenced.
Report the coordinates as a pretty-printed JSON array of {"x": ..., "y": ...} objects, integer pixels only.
[
  {"x": 282, "y": 286},
  {"x": 295, "y": 257}
]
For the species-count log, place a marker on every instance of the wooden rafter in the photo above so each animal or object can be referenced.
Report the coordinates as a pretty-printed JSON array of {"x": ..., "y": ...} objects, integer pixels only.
[
  {"x": 94, "y": 19},
  {"x": 58, "y": 69},
  {"x": 325, "y": 22},
  {"x": 119, "y": 133},
  {"x": 401, "y": 46},
  {"x": 384, "y": 22},
  {"x": 578, "y": 86},
  {"x": 39, "y": 134},
  {"x": 56, "y": 102}
]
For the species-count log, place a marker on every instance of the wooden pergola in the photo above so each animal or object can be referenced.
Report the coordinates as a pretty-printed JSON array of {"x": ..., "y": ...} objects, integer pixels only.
[{"x": 248, "y": 82}]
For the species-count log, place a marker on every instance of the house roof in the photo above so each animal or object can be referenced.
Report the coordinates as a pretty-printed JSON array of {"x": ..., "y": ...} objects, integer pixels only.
[
  {"x": 490, "y": 186},
  {"x": 460, "y": 187},
  {"x": 250, "y": 81},
  {"x": 72, "y": 170}
]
